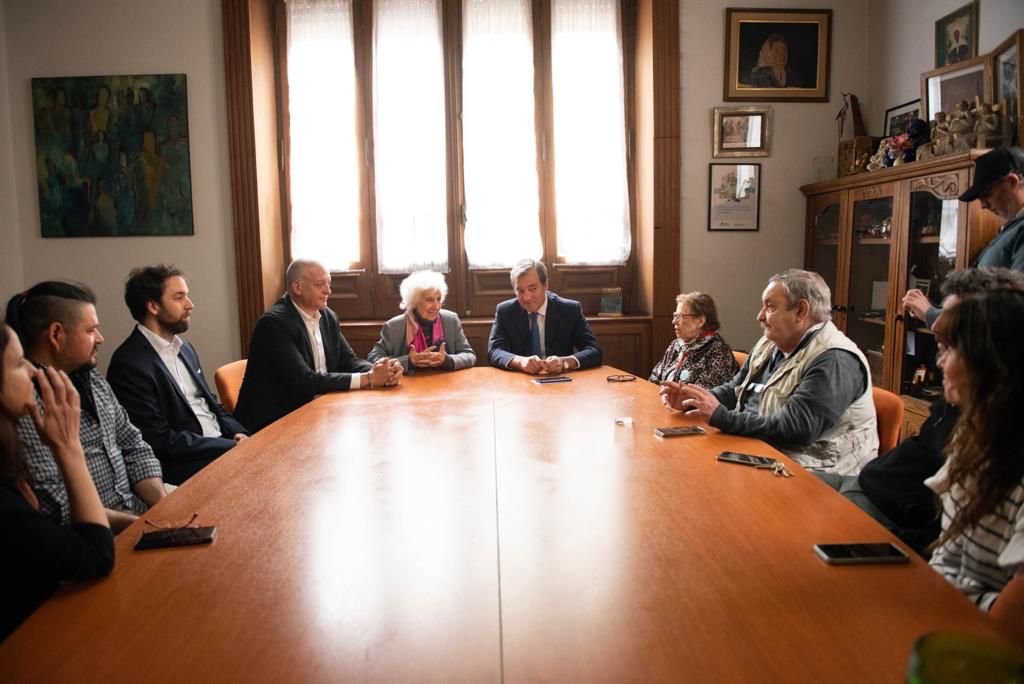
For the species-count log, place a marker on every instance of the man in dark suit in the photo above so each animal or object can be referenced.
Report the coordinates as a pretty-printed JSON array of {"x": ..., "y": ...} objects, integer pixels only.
[
  {"x": 158, "y": 379},
  {"x": 537, "y": 331},
  {"x": 297, "y": 351}
]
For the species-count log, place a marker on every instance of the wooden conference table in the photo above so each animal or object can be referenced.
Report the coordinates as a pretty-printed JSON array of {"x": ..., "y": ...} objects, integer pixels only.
[{"x": 475, "y": 526}]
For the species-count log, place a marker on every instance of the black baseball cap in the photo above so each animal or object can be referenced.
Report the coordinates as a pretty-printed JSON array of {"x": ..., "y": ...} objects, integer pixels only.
[{"x": 991, "y": 168}]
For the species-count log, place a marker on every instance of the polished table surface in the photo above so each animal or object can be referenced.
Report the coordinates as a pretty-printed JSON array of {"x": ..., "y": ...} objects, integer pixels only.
[{"x": 475, "y": 526}]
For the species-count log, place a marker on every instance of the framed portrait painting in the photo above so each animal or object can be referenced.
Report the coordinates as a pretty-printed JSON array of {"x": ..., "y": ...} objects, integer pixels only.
[
  {"x": 956, "y": 36},
  {"x": 741, "y": 131},
  {"x": 734, "y": 196},
  {"x": 776, "y": 54},
  {"x": 897, "y": 118},
  {"x": 1006, "y": 82}
]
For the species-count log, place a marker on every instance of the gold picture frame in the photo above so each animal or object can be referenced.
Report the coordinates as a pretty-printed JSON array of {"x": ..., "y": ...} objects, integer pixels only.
[
  {"x": 779, "y": 55},
  {"x": 743, "y": 131},
  {"x": 1007, "y": 81}
]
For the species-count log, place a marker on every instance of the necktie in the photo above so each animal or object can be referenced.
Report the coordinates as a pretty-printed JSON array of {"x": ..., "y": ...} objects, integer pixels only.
[{"x": 534, "y": 335}]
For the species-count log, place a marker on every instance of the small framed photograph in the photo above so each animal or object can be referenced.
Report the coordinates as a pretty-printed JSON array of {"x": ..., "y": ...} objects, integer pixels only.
[
  {"x": 956, "y": 36},
  {"x": 741, "y": 131},
  {"x": 777, "y": 54},
  {"x": 942, "y": 89},
  {"x": 1006, "y": 82},
  {"x": 897, "y": 118},
  {"x": 734, "y": 196}
]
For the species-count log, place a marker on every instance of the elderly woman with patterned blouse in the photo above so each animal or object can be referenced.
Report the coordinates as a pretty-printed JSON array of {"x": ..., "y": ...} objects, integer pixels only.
[
  {"x": 425, "y": 336},
  {"x": 698, "y": 355}
]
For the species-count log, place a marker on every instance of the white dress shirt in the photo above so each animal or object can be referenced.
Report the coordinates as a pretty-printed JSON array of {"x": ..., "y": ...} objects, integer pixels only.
[{"x": 168, "y": 353}]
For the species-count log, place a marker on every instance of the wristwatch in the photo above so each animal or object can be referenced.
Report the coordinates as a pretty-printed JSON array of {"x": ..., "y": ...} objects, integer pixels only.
[{"x": 565, "y": 364}]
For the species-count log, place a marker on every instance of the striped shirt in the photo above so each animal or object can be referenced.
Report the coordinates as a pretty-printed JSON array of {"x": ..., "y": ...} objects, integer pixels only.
[
  {"x": 115, "y": 454},
  {"x": 984, "y": 558}
]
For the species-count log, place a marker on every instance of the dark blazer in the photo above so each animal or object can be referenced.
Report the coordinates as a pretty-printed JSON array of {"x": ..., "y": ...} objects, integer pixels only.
[
  {"x": 151, "y": 395},
  {"x": 565, "y": 329},
  {"x": 281, "y": 374}
]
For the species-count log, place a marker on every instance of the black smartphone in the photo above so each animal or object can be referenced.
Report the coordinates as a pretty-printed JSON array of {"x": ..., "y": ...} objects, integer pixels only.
[
  {"x": 552, "y": 379},
  {"x": 860, "y": 554},
  {"x": 746, "y": 459},
  {"x": 681, "y": 431},
  {"x": 178, "y": 536}
]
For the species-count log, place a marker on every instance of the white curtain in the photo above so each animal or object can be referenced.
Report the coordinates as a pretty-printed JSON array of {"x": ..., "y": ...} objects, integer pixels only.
[
  {"x": 325, "y": 156},
  {"x": 409, "y": 136},
  {"x": 498, "y": 133},
  {"x": 592, "y": 199}
]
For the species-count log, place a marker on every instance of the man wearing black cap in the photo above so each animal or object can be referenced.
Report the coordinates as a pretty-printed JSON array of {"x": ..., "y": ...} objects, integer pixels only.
[{"x": 999, "y": 186}]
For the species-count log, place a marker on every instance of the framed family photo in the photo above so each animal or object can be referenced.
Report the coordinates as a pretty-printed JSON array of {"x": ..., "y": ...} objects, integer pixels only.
[
  {"x": 777, "y": 54},
  {"x": 897, "y": 118},
  {"x": 956, "y": 35},
  {"x": 1006, "y": 81},
  {"x": 741, "y": 131},
  {"x": 734, "y": 196}
]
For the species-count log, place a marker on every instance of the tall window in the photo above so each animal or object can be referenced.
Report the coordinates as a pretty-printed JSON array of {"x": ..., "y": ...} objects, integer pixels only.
[
  {"x": 325, "y": 216},
  {"x": 460, "y": 136},
  {"x": 499, "y": 133}
]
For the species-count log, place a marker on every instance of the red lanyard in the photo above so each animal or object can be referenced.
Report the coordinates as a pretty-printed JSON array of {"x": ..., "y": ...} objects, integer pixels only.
[{"x": 682, "y": 359}]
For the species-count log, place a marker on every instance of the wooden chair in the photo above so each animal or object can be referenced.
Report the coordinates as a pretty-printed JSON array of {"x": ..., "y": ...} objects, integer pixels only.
[
  {"x": 229, "y": 381},
  {"x": 741, "y": 357},
  {"x": 889, "y": 412}
]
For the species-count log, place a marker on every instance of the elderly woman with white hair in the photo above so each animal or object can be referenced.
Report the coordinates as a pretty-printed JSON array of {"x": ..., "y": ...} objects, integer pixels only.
[{"x": 425, "y": 336}]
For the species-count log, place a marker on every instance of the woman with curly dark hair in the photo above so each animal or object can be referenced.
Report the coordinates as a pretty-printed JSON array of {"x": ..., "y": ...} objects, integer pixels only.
[
  {"x": 38, "y": 553},
  {"x": 981, "y": 549}
]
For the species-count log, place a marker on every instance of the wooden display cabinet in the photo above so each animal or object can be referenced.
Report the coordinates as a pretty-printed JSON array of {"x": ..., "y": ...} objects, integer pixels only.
[{"x": 875, "y": 235}]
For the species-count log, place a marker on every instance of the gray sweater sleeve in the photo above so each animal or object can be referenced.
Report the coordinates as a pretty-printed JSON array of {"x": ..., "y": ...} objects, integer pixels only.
[{"x": 831, "y": 383}]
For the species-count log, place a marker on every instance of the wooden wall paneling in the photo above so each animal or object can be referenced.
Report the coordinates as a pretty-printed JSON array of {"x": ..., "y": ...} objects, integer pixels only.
[{"x": 253, "y": 155}]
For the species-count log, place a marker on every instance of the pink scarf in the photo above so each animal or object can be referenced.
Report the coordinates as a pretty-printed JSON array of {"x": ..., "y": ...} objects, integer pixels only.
[{"x": 414, "y": 332}]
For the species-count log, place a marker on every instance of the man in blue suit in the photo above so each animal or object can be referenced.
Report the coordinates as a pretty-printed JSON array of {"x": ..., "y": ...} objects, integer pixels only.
[
  {"x": 538, "y": 331},
  {"x": 157, "y": 377}
]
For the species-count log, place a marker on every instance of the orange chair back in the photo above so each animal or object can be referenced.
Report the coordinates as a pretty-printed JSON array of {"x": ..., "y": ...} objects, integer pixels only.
[
  {"x": 229, "y": 381},
  {"x": 741, "y": 357},
  {"x": 889, "y": 413}
]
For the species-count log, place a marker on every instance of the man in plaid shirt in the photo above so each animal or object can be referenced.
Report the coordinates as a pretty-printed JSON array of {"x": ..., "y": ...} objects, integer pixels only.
[{"x": 58, "y": 327}]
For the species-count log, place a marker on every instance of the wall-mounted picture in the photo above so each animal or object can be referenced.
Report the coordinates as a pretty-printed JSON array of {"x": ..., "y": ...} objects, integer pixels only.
[
  {"x": 112, "y": 155},
  {"x": 777, "y": 54},
  {"x": 734, "y": 196},
  {"x": 1006, "y": 81},
  {"x": 942, "y": 89},
  {"x": 897, "y": 118},
  {"x": 956, "y": 35},
  {"x": 741, "y": 131}
]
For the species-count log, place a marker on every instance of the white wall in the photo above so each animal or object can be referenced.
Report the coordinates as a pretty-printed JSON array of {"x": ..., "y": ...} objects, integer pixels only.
[
  {"x": 897, "y": 57},
  {"x": 46, "y": 38},
  {"x": 10, "y": 238},
  {"x": 734, "y": 267}
]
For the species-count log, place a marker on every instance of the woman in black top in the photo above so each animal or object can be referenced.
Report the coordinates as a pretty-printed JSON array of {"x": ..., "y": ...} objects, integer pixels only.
[{"x": 38, "y": 553}]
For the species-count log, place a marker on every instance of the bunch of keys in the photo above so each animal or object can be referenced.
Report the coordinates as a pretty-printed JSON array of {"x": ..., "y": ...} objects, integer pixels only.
[{"x": 778, "y": 469}]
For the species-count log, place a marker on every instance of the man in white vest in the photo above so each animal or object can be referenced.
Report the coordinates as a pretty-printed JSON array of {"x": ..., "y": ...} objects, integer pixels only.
[{"x": 805, "y": 388}]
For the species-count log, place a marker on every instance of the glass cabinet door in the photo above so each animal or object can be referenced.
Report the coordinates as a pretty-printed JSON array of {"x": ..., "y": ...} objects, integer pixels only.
[
  {"x": 936, "y": 221},
  {"x": 868, "y": 290},
  {"x": 825, "y": 248}
]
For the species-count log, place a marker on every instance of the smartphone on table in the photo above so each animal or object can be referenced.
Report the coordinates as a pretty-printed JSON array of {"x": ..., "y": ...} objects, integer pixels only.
[
  {"x": 746, "y": 459},
  {"x": 177, "y": 536},
  {"x": 551, "y": 380},
  {"x": 681, "y": 431},
  {"x": 861, "y": 554}
]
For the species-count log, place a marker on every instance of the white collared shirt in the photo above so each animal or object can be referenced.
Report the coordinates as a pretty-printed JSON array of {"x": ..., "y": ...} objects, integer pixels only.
[
  {"x": 316, "y": 343},
  {"x": 168, "y": 353}
]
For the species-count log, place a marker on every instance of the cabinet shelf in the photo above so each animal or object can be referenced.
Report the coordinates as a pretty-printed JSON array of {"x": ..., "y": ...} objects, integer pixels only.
[
  {"x": 834, "y": 241},
  {"x": 873, "y": 321},
  {"x": 928, "y": 240},
  {"x": 874, "y": 241}
]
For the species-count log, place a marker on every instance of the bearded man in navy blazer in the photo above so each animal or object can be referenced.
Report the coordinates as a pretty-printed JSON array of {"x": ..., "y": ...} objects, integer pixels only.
[
  {"x": 297, "y": 352},
  {"x": 158, "y": 379},
  {"x": 538, "y": 331}
]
